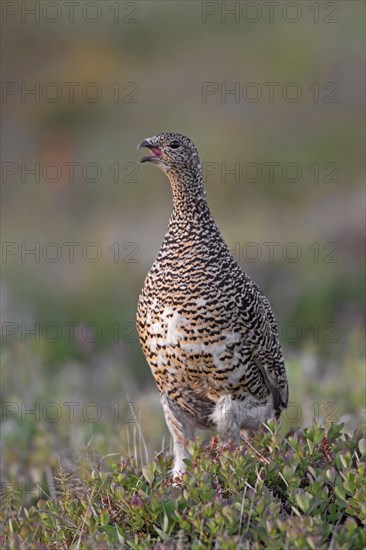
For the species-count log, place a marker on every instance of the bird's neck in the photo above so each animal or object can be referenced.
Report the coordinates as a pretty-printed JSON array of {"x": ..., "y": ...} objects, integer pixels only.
[{"x": 188, "y": 193}]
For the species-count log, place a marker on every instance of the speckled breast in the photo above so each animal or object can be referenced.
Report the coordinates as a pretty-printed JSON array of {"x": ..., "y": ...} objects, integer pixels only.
[{"x": 187, "y": 334}]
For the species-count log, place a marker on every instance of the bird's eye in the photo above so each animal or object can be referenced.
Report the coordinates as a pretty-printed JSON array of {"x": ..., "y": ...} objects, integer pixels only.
[{"x": 174, "y": 144}]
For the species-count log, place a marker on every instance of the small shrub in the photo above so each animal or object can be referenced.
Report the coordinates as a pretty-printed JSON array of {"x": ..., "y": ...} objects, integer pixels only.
[{"x": 306, "y": 490}]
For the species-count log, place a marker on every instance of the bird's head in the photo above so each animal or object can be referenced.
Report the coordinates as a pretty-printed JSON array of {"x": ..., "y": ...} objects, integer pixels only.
[{"x": 171, "y": 152}]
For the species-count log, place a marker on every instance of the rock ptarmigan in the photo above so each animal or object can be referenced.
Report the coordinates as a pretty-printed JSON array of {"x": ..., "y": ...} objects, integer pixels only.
[{"x": 207, "y": 331}]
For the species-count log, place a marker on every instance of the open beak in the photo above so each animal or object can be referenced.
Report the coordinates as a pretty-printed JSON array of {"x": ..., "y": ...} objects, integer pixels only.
[{"x": 155, "y": 150}]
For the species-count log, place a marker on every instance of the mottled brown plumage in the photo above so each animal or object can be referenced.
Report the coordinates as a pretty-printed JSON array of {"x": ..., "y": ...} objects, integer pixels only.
[{"x": 207, "y": 331}]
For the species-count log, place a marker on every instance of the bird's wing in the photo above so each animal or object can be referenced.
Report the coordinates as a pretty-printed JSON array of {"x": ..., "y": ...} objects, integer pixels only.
[
  {"x": 252, "y": 315},
  {"x": 265, "y": 346}
]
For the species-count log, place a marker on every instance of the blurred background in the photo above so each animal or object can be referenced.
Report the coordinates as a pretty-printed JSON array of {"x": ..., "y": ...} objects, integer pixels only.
[{"x": 273, "y": 97}]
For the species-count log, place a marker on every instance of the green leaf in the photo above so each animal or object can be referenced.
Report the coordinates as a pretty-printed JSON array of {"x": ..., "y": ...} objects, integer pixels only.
[
  {"x": 148, "y": 473},
  {"x": 304, "y": 501},
  {"x": 104, "y": 517},
  {"x": 330, "y": 474},
  {"x": 287, "y": 472}
]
